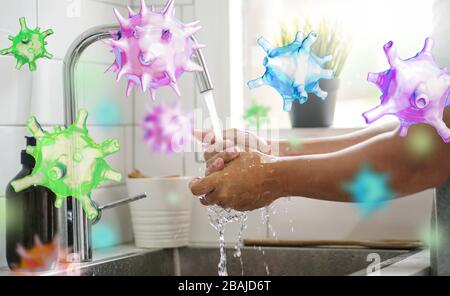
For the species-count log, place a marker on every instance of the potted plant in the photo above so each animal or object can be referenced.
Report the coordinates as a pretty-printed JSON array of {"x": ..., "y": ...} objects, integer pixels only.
[{"x": 331, "y": 41}]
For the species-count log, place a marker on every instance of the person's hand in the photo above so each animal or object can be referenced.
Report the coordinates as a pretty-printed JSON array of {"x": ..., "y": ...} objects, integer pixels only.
[
  {"x": 218, "y": 153},
  {"x": 251, "y": 181}
]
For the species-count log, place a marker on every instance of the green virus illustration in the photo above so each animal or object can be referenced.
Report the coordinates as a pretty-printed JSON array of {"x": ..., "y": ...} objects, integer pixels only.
[
  {"x": 69, "y": 163},
  {"x": 28, "y": 46},
  {"x": 256, "y": 115}
]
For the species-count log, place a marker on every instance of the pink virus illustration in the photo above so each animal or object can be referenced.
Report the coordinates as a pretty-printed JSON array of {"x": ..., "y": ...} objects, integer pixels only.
[
  {"x": 153, "y": 49},
  {"x": 39, "y": 258},
  {"x": 167, "y": 129},
  {"x": 415, "y": 90}
]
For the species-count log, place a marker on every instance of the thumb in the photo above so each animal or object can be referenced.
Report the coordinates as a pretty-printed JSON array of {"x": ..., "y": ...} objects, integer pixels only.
[{"x": 202, "y": 186}]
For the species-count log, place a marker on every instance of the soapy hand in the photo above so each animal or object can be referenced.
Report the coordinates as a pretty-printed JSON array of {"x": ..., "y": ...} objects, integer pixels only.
[
  {"x": 249, "y": 182},
  {"x": 219, "y": 153}
]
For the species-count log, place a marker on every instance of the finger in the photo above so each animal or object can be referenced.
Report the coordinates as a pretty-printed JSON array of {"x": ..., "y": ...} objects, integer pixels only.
[
  {"x": 212, "y": 150},
  {"x": 217, "y": 166},
  {"x": 210, "y": 199},
  {"x": 201, "y": 186},
  {"x": 226, "y": 156}
]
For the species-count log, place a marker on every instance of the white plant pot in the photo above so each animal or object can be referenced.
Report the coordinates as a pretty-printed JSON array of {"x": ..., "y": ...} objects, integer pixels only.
[{"x": 163, "y": 219}]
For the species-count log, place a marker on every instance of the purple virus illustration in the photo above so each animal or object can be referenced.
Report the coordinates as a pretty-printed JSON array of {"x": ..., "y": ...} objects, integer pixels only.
[
  {"x": 415, "y": 90},
  {"x": 167, "y": 129},
  {"x": 153, "y": 49}
]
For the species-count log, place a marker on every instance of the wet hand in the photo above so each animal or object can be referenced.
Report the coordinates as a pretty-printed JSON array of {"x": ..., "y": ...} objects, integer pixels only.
[
  {"x": 218, "y": 153},
  {"x": 249, "y": 182}
]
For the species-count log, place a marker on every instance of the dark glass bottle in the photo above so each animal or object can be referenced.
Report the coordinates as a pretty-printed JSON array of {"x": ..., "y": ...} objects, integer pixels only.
[{"x": 29, "y": 213}]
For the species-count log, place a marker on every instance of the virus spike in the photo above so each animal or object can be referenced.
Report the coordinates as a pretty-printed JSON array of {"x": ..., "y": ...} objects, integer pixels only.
[
  {"x": 19, "y": 64},
  {"x": 26, "y": 182},
  {"x": 265, "y": 45},
  {"x": 23, "y": 25},
  {"x": 171, "y": 75},
  {"x": 59, "y": 201},
  {"x": 47, "y": 55},
  {"x": 37, "y": 241},
  {"x": 391, "y": 53},
  {"x": 319, "y": 92},
  {"x": 326, "y": 74},
  {"x": 189, "y": 31},
  {"x": 130, "y": 86},
  {"x": 403, "y": 132},
  {"x": 57, "y": 129},
  {"x": 376, "y": 113},
  {"x": 309, "y": 41},
  {"x": 192, "y": 67},
  {"x": 47, "y": 33},
  {"x": 153, "y": 94},
  {"x": 443, "y": 130},
  {"x": 252, "y": 84},
  {"x": 6, "y": 51},
  {"x": 11, "y": 38},
  {"x": 109, "y": 174},
  {"x": 32, "y": 66},
  {"x": 131, "y": 13},
  {"x": 30, "y": 150},
  {"x": 144, "y": 9},
  {"x": 110, "y": 146},
  {"x": 193, "y": 24},
  {"x": 169, "y": 9},
  {"x": 324, "y": 60},
  {"x": 145, "y": 81},
  {"x": 122, "y": 21},
  {"x": 81, "y": 119},
  {"x": 303, "y": 93},
  {"x": 427, "y": 47},
  {"x": 174, "y": 86},
  {"x": 88, "y": 207},
  {"x": 122, "y": 72},
  {"x": 299, "y": 37},
  {"x": 35, "y": 128}
]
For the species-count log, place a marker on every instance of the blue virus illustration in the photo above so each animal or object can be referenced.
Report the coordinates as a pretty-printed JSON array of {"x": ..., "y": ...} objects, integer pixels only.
[
  {"x": 369, "y": 190},
  {"x": 293, "y": 70}
]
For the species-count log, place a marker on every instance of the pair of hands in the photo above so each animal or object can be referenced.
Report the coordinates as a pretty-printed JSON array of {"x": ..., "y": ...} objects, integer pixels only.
[{"x": 238, "y": 175}]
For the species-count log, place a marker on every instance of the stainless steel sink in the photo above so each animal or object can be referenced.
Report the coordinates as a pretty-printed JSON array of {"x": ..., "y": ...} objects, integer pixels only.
[
  {"x": 203, "y": 262},
  {"x": 195, "y": 261}
]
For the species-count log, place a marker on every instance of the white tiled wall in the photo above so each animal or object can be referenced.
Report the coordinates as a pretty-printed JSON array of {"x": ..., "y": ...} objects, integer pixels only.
[{"x": 41, "y": 93}]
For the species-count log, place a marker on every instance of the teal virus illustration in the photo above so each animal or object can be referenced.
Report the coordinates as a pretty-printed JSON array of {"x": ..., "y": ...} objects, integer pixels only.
[
  {"x": 28, "y": 46},
  {"x": 293, "y": 70},
  {"x": 370, "y": 190},
  {"x": 69, "y": 162}
]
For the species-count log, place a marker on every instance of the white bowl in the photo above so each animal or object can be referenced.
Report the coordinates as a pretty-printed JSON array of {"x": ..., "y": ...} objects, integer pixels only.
[{"x": 163, "y": 219}]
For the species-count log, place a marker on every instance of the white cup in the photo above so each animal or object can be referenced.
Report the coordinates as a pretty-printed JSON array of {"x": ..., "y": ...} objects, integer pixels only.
[{"x": 163, "y": 219}]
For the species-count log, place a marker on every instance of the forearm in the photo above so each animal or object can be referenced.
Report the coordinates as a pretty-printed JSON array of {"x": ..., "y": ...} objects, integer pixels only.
[
  {"x": 322, "y": 176},
  {"x": 330, "y": 144}
]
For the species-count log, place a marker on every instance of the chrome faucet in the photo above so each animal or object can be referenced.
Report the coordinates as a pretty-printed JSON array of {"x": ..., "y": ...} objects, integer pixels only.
[{"x": 74, "y": 226}]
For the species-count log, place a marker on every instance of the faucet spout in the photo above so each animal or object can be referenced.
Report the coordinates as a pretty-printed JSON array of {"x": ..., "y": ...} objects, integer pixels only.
[{"x": 74, "y": 226}]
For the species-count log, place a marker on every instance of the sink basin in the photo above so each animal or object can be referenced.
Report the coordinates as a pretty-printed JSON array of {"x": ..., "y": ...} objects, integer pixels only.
[
  {"x": 203, "y": 262},
  {"x": 127, "y": 260}
]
